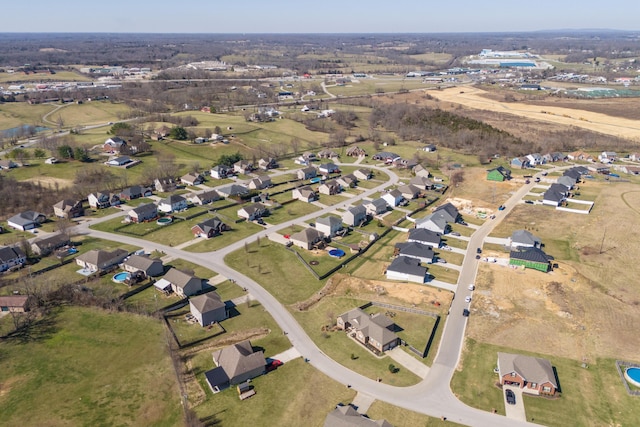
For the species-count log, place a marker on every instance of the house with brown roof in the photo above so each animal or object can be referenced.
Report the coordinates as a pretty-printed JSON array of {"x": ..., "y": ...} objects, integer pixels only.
[
  {"x": 192, "y": 178},
  {"x": 135, "y": 192},
  {"x": 98, "y": 259},
  {"x": 354, "y": 216},
  {"x": 235, "y": 364},
  {"x": 347, "y": 181},
  {"x": 305, "y": 194},
  {"x": 204, "y": 197},
  {"x": 208, "y": 308},
  {"x": 374, "y": 331},
  {"x": 260, "y": 182},
  {"x": 14, "y": 303},
  {"x": 266, "y": 164},
  {"x": 355, "y": 151},
  {"x": 243, "y": 166},
  {"x": 421, "y": 171},
  {"x": 142, "y": 213},
  {"x": 252, "y": 211},
  {"x": 533, "y": 375},
  {"x": 151, "y": 267},
  {"x": 68, "y": 208},
  {"x": 347, "y": 416},
  {"x": 409, "y": 191},
  {"x": 329, "y": 187},
  {"x": 363, "y": 174},
  {"x": 421, "y": 182},
  {"x": 183, "y": 284},
  {"x": 307, "y": 238},
  {"x": 165, "y": 184},
  {"x": 45, "y": 245},
  {"x": 210, "y": 228}
]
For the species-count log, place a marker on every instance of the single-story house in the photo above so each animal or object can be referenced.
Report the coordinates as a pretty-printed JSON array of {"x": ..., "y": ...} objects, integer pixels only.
[
  {"x": 266, "y": 164},
  {"x": 533, "y": 375},
  {"x": 329, "y": 187},
  {"x": 235, "y": 364},
  {"x": 354, "y": 216},
  {"x": 376, "y": 206},
  {"x": 580, "y": 155},
  {"x": 119, "y": 161},
  {"x": 530, "y": 258},
  {"x": 260, "y": 182},
  {"x": 599, "y": 168},
  {"x": 327, "y": 168},
  {"x": 385, "y": 156},
  {"x": 68, "y": 208},
  {"x": 114, "y": 144},
  {"x": 329, "y": 226},
  {"x": 419, "y": 251},
  {"x": 524, "y": 239},
  {"x": 401, "y": 163},
  {"x": 26, "y": 220},
  {"x": 347, "y": 416},
  {"x": 165, "y": 185},
  {"x": 252, "y": 211},
  {"x": 11, "y": 256},
  {"x": 393, "y": 198},
  {"x": 183, "y": 284},
  {"x": 555, "y": 195},
  {"x": 421, "y": 171},
  {"x": 151, "y": 267},
  {"x": 433, "y": 222},
  {"x": 45, "y": 245},
  {"x": 307, "y": 238},
  {"x": 204, "y": 197},
  {"x": 307, "y": 173},
  {"x": 172, "y": 203},
  {"x": 209, "y": 228},
  {"x": 233, "y": 190},
  {"x": 424, "y": 236},
  {"x": 142, "y": 213},
  {"x": 14, "y": 303},
  {"x": 375, "y": 330},
  {"x": 409, "y": 192},
  {"x": 347, "y": 181},
  {"x": 305, "y": 194},
  {"x": 98, "y": 259},
  {"x": 407, "y": 269},
  {"x": 243, "y": 166},
  {"x": 192, "y": 178},
  {"x": 208, "y": 308},
  {"x": 363, "y": 174},
  {"x": 355, "y": 151},
  {"x": 499, "y": 174},
  {"x": 421, "y": 182},
  {"x": 220, "y": 171},
  {"x": 103, "y": 199},
  {"x": 327, "y": 154}
]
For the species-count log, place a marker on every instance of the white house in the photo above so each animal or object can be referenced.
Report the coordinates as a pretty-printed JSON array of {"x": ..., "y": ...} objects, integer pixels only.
[
  {"x": 406, "y": 269},
  {"x": 393, "y": 198},
  {"x": 172, "y": 203}
]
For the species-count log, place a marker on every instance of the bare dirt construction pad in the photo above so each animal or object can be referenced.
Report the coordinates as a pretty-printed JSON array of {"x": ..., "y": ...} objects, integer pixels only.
[
  {"x": 51, "y": 181},
  {"x": 476, "y": 99}
]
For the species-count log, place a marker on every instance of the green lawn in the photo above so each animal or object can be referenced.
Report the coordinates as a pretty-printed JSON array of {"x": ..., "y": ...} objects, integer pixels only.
[
  {"x": 290, "y": 211},
  {"x": 88, "y": 364},
  {"x": 402, "y": 417},
  {"x": 239, "y": 231},
  {"x": 443, "y": 273},
  {"x": 198, "y": 270},
  {"x": 14, "y": 114}
]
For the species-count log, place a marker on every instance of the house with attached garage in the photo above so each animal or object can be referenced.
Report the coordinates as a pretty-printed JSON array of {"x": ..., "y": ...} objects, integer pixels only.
[
  {"x": 363, "y": 174},
  {"x": 243, "y": 166},
  {"x": 421, "y": 182},
  {"x": 103, "y": 199},
  {"x": 304, "y": 194},
  {"x": 409, "y": 192},
  {"x": 406, "y": 269},
  {"x": 142, "y": 213},
  {"x": 328, "y": 168},
  {"x": 220, "y": 172},
  {"x": 165, "y": 185},
  {"x": 355, "y": 151},
  {"x": 114, "y": 145},
  {"x": 535, "y": 159},
  {"x": 45, "y": 245},
  {"x": 375, "y": 331},
  {"x": 11, "y": 256},
  {"x": 307, "y": 173},
  {"x": 347, "y": 181},
  {"x": 329, "y": 226},
  {"x": 266, "y": 164},
  {"x": 209, "y": 228},
  {"x": 421, "y": 171},
  {"x": 499, "y": 174},
  {"x": 208, "y": 308},
  {"x": 183, "y": 284},
  {"x": 204, "y": 197},
  {"x": 172, "y": 203},
  {"x": 533, "y": 375},
  {"x": 376, "y": 206},
  {"x": 520, "y": 162},
  {"x": 385, "y": 156},
  {"x": 555, "y": 195},
  {"x": 98, "y": 259},
  {"x": 424, "y": 236},
  {"x": 151, "y": 267},
  {"x": 26, "y": 220},
  {"x": 530, "y": 257},
  {"x": 233, "y": 190},
  {"x": 393, "y": 198},
  {"x": 234, "y": 365},
  {"x": 354, "y": 216},
  {"x": 567, "y": 181},
  {"x": 135, "y": 192},
  {"x": 524, "y": 239},
  {"x": 607, "y": 156},
  {"x": 253, "y": 211},
  {"x": 68, "y": 208},
  {"x": 192, "y": 178},
  {"x": 260, "y": 182},
  {"x": 308, "y": 238},
  {"x": 347, "y": 416},
  {"x": 329, "y": 187},
  {"x": 419, "y": 251},
  {"x": 448, "y": 212},
  {"x": 8, "y": 164},
  {"x": 433, "y": 222}
]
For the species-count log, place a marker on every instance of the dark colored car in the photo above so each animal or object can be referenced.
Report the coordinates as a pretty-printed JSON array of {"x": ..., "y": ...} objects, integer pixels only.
[
  {"x": 511, "y": 397},
  {"x": 530, "y": 202},
  {"x": 501, "y": 208},
  {"x": 465, "y": 312},
  {"x": 478, "y": 256},
  {"x": 479, "y": 250},
  {"x": 273, "y": 364}
]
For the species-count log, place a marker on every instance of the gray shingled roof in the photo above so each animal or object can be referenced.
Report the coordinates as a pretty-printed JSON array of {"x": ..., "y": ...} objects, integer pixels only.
[
  {"x": 239, "y": 359},
  {"x": 532, "y": 369},
  {"x": 207, "y": 302},
  {"x": 403, "y": 264}
]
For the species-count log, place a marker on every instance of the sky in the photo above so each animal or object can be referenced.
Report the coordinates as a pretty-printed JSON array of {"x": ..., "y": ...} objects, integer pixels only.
[{"x": 322, "y": 16}]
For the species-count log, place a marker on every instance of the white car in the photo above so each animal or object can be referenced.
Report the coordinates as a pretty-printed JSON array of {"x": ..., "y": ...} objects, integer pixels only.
[
  {"x": 472, "y": 287},
  {"x": 467, "y": 299}
]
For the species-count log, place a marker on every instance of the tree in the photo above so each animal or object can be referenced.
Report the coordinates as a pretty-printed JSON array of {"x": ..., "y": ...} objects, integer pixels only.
[
  {"x": 120, "y": 129},
  {"x": 39, "y": 153},
  {"x": 217, "y": 130},
  {"x": 230, "y": 159},
  {"x": 81, "y": 154},
  {"x": 457, "y": 177},
  {"x": 65, "y": 152},
  {"x": 179, "y": 133}
]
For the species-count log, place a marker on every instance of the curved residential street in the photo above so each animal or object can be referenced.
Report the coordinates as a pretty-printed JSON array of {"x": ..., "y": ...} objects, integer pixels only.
[{"x": 433, "y": 395}]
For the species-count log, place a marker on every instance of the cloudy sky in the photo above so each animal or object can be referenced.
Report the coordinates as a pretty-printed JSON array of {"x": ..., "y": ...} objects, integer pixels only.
[{"x": 323, "y": 16}]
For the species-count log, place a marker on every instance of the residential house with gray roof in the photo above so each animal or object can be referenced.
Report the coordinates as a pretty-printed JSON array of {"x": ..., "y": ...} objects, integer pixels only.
[
  {"x": 26, "y": 220},
  {"x": 375, "y": 331},
  {"x": 235, "y": 364},
  {"x": 524, "y": 239},
  {"x": 304, "y": 194},
  {"x": 183, "y": 284},
  {"x": 329, "y": 226},
  {"x": 45, "y": 245},
  {"x": 376, "y": 206},
  {"x": 354, "y": 216},
  {"x": 208, "y": 308},
  {"x": 11, "y": 256},
  {"x": 98, "y": 259},
  {"x": 406, "y": 269},
  {"x": 307, "y": 238},
  {"x": 68, "y": 208},
  {"x": 424, "y": 236},
  {"x": 347, "y": 416},
  {"x": 533, "y": 375},
  {"x": 151, "y": 267},
  {"x": 419, "y": 251},
  {"x": 210, "y": 228},
  {"x": 142, "y": 213}
]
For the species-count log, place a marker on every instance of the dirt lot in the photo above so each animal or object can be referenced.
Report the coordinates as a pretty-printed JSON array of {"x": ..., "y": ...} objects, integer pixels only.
[
  {"x": 586, "y": 308},
  {"x": 51, "y": 181}
]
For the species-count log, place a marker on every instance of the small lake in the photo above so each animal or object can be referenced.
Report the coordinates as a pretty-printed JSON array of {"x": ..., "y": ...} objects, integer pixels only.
[{"x": 24, "y": 130}]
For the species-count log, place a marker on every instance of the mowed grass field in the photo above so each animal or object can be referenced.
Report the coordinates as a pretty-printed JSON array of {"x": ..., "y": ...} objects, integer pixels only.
[
  {"x": 14, "y": 114},
  {"x": 83, "y": 366}
]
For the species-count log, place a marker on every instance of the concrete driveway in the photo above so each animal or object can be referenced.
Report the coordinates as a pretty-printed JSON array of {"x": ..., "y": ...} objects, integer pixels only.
[{"x": 516, "y": 411}]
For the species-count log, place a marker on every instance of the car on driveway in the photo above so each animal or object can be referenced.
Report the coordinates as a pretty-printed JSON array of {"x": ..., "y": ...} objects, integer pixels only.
[
  {"x": 511, "y": 397},
  {"x": 455, "y": 233}
]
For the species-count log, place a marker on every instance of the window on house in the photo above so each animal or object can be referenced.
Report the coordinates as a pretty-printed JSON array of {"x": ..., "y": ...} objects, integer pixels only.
[
  {"x": 546, "y": 389},
  {"x": 533, "y": 385}
]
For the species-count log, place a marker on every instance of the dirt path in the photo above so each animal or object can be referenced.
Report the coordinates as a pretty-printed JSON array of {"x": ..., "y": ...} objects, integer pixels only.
[{"x": 473, "y": 98}]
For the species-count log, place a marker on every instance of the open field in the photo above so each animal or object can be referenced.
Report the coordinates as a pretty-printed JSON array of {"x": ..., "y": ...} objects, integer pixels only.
[
  {"x": 16, "y": 114},
  {"x": 95, "y": 112},
  {"x": 64, "y": 358},
  {"x": 59, "y": 76}
]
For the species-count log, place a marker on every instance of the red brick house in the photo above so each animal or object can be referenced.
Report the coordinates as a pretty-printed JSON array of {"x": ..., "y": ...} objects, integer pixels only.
[{"x": 531, "y": 374}]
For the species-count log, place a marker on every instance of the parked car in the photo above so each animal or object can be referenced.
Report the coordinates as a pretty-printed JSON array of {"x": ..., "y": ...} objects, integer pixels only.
[
  {"x": 478, "y": 256},
  {"x": 442, "y": 260},
  {"x": 466, "y": 312},
  {"x": 528, "y": 181},
  {"x": 537, "y": 179},
  {"x": 472, "y": 287},
  {"x": 455, "y": 233},
  {"x": 478, "y": 250},
  {"x": 501, "y": 207},
  {"x": 511, "y": 397},
  {"x": 467, "y": 299},
  {"x": 530, "y": 202}
]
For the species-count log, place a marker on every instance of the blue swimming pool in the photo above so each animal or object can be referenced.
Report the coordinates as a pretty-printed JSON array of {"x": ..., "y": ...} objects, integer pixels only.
[
  {"x": 337, "y": 253},
  {"x": 633, "y": 376},
  {"x": 121, "y": 277}
]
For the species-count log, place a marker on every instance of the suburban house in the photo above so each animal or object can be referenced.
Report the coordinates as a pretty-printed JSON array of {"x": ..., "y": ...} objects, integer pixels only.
[
  {"x": 151, "y": 267},
  {"x": 98, "y": 259},
  {"x": 533, "y": 375},
  {"x": 260, "y": 182},
  {"x": 363, "y": 174},
  {"x": 420, "y": 171},
  {"x": 26, "y": 220},
  {"x": 142, "y": 213},
  {"x": 406, "y": 269},
  {"x": 165, "y": 185},
  {"x": 429, "y": 148},
  {"x": 183, "y": 284},
  {"x": 68, "y": 208},
  {"x": 327, "y": 168},
  {"x": 172, "y": 203},
  {"x": 535, "y": 159},
  {"x": 448, "y": 212},
  {"x": 607, "y": 157},
  {"x": 424, "y": 236},
  {"x": 520, "y": 162},
  {"x": 409, "y": 192},
  {"x": 192, "y": 178},
  {"x": 401, "y": 163},
  {"x": 419, "y": 251},
  {"x": 385, "y": 156},
  {"x": 243, "y": 166},
  {"x": 14, "y": 303},
  {"x": 204, "y": 197},
  {"x": 235, "y": 364},
  {"x": 355, "y": 151},
  {"x": 329, "y": 225},
  {"x": 530, "y": 258},
  {"x": 347, "y": 416},
  {"x": 354, "y": 216},
  {"x": 307, "y": 173},
  {"x": 374, "y": 331},
  {"x": 114, "y": 144},
  {"x": 567, "y": 181},
  {"x": 599, "y": 168},
  {"x": 8, "y": 164},
  {"x": 119, "y": 161},
  {"x": 347, "y": 181},
  {"x": 421, "y": 182},
  {"x": 45, "y": 245},
  {"x": 555, "y": 195},
  {"x": 103, "y": 199},
  {"x": 233, "y": 190},
  {"x": 554, "y": 157},
  {"x": 327, "y": 154},
  {"x": 208, "y": 308},
  {"x": 393, "y": 198},
  {"x": 302, "y": 161},
  {"x": 266, "y": 164},
  {"x": 433, "y": 222},
  {"x": 499, "y": 174},
  {"x": 580, "y": 155},
  {"x": 209, "y": 228},
  {"x": 329, "y": 187},
  {"x": 524, "y": 239},
  {"x": 252, "y": 211},
  {"x": 135, "y": 192},
  {"x": 308, "y": 238},
  {"x": 305, "y": 194},
  {"x": 376, "y": 206},
  {"x": 220, "y": 172},
  {"x": 11, "y": 256}
]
